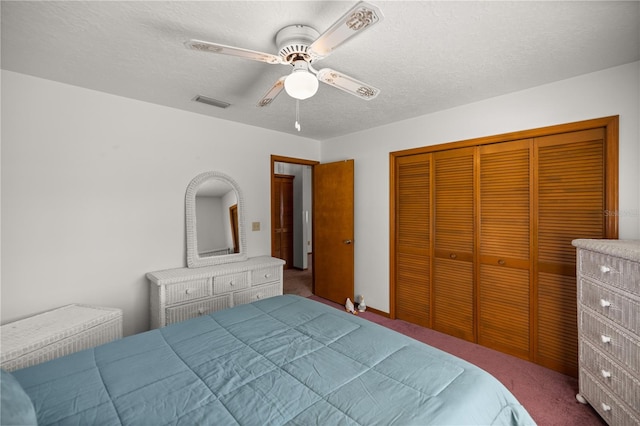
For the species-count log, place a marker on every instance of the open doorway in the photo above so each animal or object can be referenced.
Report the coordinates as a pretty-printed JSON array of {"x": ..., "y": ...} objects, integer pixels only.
[{"x": 291, "y": 221}]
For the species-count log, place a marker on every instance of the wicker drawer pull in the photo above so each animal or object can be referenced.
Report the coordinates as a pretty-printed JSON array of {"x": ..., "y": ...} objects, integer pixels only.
[
  {"x": 200, "y": 311},
  {"x": 605, "y": 269},
  {"x": 259, "y": 296},
  {"x": 605, "y": 407},
  {"x": 605, "y": 339},
  {"x": 188, "y": 291},
  {"x": 231, "y": 282},
  {"x": 267, "y": 275},
  {"x": 606, "y": 374},
  {"x": 605, "y": 303}
]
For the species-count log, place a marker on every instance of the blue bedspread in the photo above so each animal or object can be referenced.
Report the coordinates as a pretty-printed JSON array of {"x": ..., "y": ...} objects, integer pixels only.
[{"x": 279, "y": 361}]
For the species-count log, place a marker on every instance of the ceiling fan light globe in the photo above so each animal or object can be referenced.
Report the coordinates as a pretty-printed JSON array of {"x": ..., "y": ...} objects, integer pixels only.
[{"x": 301, "y": 84}]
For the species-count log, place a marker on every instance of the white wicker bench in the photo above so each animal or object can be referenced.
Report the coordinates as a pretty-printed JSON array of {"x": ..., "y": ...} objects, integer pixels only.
[{"x": 55, "y": 333}]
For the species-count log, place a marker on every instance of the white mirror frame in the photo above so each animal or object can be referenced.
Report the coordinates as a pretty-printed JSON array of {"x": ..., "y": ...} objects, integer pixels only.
[{"x": 193, "y": 258}]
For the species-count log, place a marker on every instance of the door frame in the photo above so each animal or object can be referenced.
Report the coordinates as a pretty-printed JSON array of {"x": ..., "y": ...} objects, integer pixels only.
[{"x": 282, "y": 159}]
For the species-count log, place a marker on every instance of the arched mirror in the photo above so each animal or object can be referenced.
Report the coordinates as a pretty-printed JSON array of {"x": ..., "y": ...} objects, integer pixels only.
[{"x": 215, "y": 221}]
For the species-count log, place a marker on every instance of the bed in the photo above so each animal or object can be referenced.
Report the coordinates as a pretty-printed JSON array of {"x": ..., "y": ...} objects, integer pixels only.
[{"x": 285, "y": 360}]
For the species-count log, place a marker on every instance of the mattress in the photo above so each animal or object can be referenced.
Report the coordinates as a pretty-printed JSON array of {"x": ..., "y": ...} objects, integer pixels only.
[{"x": 285, "y": 360}]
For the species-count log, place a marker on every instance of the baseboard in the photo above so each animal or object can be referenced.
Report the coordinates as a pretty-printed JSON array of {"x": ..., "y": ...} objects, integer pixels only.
[{"x": 375, "y": 311}]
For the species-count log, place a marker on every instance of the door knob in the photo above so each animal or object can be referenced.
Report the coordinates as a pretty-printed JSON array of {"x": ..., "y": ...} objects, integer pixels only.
[{"x": 347, "y": 241}]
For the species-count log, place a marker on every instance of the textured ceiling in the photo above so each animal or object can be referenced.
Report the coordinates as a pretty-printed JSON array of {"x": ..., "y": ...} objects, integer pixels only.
[{"x": 425, "y": 56}]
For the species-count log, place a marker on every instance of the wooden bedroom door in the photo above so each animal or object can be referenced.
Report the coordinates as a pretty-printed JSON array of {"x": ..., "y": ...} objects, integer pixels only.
[
  {"x": 333, "y": 243},
  {"x": 282, "y": 205}
]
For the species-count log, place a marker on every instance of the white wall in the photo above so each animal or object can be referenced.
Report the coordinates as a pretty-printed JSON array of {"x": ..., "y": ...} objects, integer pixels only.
[
  {"x": 93, "y": 185},
  {"x": 93, "y": 189},
  {"x": 615, "y": 91}
]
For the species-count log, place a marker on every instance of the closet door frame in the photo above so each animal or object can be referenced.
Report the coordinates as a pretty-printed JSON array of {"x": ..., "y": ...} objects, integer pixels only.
[{"x": 610, "y": 125}]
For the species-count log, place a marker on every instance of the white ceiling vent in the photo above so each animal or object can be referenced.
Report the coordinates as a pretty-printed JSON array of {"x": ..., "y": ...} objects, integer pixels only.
[{"x": 211, "y": 101}]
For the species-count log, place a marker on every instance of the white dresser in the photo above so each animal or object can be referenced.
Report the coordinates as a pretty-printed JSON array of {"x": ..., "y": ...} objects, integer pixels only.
[
  {"x": 183, "y": 293},
  {"x": 609, "y": 328}
]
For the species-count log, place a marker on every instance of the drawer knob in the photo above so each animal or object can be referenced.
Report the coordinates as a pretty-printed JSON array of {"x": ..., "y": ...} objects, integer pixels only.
[
  {"x": 605, "y": 339},
  {"x": 605, "y": 407},
  {"x": 605, "y": 303},
  {"x": 606, "y": 374},
  {"x": 604, "y": 269},
  {"x": 453, "y": 255},
  {"x": 200, "y": 311},
  {"x": 188, "y": 291},
  {"x": 267, "y": 275},
  {"x": 259, "y": 296},
  {"x": 501, "y": 262},
  {"x": 230, "y": 282}
]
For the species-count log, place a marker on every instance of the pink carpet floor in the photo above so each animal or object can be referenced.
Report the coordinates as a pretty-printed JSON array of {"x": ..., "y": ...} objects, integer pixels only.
[{"x": 548, "y": 396}]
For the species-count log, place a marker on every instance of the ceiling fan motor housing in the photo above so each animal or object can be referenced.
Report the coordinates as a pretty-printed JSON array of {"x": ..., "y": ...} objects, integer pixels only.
[{"x": 293, "y": 42}]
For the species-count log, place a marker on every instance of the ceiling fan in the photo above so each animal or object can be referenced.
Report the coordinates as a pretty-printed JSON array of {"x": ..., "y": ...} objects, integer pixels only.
[{"x": 299, "y": 46}]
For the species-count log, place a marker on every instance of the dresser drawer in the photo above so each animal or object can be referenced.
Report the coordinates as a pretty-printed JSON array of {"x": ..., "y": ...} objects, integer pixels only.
[
  {"x": 611, "y": 304},
  {"x": 188, "y": 290},
  {"x": 257, "y": 293},
  {"x": 230, "y": 282},
  {"x": 265, "y": 275},
  {"x": 610, "y": 270},
  {"x": 605, "y": 403},
  {"x": 611, "y": 340},
  {"x": 192, "y": 310},
  {"x": 610, "y": 375}
]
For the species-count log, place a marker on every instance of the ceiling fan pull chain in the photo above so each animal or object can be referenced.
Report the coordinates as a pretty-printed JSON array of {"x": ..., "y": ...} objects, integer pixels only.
[{"x": 297, "y": 125}]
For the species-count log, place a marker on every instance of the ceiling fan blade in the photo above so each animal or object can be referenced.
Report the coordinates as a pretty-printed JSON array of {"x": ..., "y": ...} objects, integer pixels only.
[
  {"x": 348, "y": 84},
  {"x": 362, "y": 16},
  {"x": 206, "y": 46},
  {"x": 272, "y": 93}
]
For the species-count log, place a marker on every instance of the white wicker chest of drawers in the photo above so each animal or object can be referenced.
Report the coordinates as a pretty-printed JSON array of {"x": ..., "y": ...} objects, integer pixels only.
[
  {"x": 183, "y": 293},
  {"x": 58, "y": 332},
  {"x": 608, "y": 278}
]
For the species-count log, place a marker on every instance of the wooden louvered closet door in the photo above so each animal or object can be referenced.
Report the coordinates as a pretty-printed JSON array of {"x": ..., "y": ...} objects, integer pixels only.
[
  {"x": 504, "y": 281},
  {"x": 571, "y": 204},
  {"x": 483, "y": 230},
  {"x": 413, "y": 239},
  {"x": 453, "y": 283}
]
